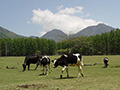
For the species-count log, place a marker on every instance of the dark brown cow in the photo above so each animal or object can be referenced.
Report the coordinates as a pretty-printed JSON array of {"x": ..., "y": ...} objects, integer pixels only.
[{"x": 31, "y": 60}]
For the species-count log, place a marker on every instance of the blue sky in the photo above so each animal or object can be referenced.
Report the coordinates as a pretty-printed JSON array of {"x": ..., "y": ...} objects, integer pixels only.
[{"x": 36, "y": 17}]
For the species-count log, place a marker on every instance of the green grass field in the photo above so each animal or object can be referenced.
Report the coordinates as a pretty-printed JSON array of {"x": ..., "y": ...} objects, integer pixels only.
[{"x": 95, "y": 77}]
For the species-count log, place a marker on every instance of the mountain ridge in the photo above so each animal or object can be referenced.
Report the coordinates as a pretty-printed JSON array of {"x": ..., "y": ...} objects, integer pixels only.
[
  {"x": 96, "y": 29},
  {"x": 59, "y": 35},
  {"x": 4, "y": 33},
  {"x": 55, "y": 34},
  {"x": 88, "y": 31}
]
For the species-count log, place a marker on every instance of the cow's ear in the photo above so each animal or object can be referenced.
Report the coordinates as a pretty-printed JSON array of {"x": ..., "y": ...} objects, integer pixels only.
[{"x": 52, "y": 60}]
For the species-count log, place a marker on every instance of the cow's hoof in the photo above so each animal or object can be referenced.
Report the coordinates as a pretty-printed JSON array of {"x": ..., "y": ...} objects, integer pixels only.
[
  {"x": 61, "y": 76},
  {"x": 67, "y": 76},
  {"x": 82, "y": 75}
]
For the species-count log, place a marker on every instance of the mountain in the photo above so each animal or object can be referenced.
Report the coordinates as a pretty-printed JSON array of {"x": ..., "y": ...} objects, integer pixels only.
[
  {"x": 59, "y": 35},
  {"x": 56, "y": 35},
  {"x": 4, "y": 33},
  {"x": 93, "y": 30}
]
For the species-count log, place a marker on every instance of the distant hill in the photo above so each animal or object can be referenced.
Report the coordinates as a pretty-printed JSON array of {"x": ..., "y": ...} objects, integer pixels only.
[
  {"x": 4, "y": 33},
  {"x": 93, "y": 30},
  {"x": 56, "y": 35}
]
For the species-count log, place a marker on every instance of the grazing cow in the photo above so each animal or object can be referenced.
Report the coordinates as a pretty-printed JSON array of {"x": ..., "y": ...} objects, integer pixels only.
[
  {"x": 105, "y": 60},
  {"x": 45, "y": 62},
  {"x": 31, "y": 59},
  {"x": 66, "y": 60}
]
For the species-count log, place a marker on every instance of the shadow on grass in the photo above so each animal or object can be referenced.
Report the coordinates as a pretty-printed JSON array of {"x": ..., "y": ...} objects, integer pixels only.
[
  {"x": 117, "y": 66},
  {"x": 64, "y": 78},
  {"x": 42, "y": 74},
  {"x": 28, "y": 70}
]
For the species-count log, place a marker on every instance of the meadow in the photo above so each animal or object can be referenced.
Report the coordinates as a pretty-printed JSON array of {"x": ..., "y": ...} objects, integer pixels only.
[{"x": 95, "y": 77}]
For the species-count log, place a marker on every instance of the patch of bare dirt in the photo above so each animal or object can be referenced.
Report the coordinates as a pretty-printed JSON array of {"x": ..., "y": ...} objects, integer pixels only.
[
  {"x": 11, "y": 67},
  {"x": 32, "y": 85}
]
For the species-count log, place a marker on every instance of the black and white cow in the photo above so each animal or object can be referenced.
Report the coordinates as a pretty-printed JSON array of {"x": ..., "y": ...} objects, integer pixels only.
[
  {"x": 71, "y": 59},
  {"x": 31, "y": 59},
  {"x": 105, "y": 60},
  {"x": 45, "y": 62}
]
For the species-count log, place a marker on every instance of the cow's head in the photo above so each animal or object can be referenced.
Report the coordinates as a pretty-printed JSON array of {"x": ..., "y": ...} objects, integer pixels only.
[
  {"x": 39, "y": 59},
  {"x": 55, "y": 63},
  {"x": 24, "y": 67},
  {"x": 58, "y": 61}
]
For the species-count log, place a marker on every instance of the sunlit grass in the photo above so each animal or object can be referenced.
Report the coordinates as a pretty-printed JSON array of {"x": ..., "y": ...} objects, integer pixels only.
[{"x": 96, "y": 77}]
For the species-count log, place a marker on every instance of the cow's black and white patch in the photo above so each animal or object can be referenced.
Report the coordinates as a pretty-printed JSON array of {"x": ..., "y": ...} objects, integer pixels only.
[
  {"x": 70, "y": 59},
  {"x": 45, "y": 62}
]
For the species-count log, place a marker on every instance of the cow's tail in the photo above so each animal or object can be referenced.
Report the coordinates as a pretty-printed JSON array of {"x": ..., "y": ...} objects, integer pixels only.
[{"x": 82, "y": 62}]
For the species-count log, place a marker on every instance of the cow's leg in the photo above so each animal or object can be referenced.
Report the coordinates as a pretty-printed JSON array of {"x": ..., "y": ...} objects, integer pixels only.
[
  {"x": 43, "y": 70},
  {"x": 28, "y": 66},
  {"x": 67, "y": 72},
  {"x": 49, "y": 68},
  {"x": 36, "y": 66},
  {"x": 46, "y": 73},
  {"x": 24, "y": 67},
  {"x": 80, "y": 71},
  {"x": 62, "y": 71},
  {"x": 106, "y": 64}
]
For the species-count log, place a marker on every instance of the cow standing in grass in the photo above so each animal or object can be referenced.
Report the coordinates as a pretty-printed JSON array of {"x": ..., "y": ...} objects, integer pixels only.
[
  {"x": 105, "y": 60},
  {"x": 31, "y": 60},
  {"x": 71, "y": 59},
  {"x": 45, "y": 62}
]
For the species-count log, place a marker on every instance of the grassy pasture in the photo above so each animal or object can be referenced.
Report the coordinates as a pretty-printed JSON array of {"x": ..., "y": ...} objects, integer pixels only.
[{"x": 96, "y": 77}]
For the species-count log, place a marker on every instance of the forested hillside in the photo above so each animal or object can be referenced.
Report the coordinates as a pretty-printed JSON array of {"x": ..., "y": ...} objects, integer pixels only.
[
  {"x": 4, "y": 33},
  {"x": 106, "y": 43}
]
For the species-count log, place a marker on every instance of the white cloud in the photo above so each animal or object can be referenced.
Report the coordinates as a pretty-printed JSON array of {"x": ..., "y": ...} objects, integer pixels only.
[
  {"x": 77, "y": 9},
  {"x": 65, "y": 19}
]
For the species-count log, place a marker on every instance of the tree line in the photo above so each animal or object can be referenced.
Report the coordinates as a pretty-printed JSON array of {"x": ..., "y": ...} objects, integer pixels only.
[
  {"x": 26, "y": 46},
  {"x": 105, "y": 44}
]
